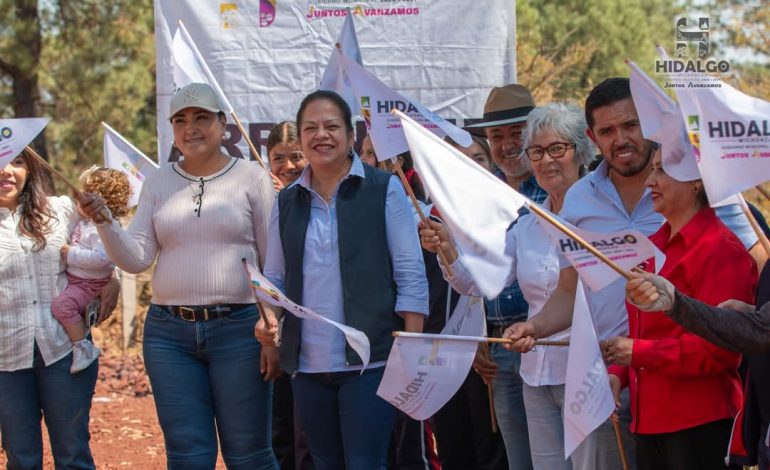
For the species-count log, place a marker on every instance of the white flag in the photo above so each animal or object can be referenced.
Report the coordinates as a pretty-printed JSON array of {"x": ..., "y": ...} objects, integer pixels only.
[
  {"x": 121, "y": 155},
  {"x": 468, "y": 318},
  {"x": 377, "y": 100},
  {"x": 15, "y": 134},
  {"x": 661, "y": 121},
  {"x": 189, "y": 66},
  {"x": 267, "y": 292},
  {"x": 477, "y": 207},
  {"x": 730, "y": 131},
  {"x": 425, "y": 371},
  {"x": 333, "y": 78},
  {"x": 588, "y": 400},
  {"x": 626, "y": 248}
]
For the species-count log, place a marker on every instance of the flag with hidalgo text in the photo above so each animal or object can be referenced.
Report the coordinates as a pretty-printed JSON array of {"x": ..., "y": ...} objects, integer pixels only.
[
  {"x": 588, "y": 400},
  {"x": 424, "y": 372},
  {"x": 376, "y": 101},
  {"x": 730, "y": 132}
]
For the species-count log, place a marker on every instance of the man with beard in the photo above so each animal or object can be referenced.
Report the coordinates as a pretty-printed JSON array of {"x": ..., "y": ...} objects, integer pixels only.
[{"x": 612, "y": 198}]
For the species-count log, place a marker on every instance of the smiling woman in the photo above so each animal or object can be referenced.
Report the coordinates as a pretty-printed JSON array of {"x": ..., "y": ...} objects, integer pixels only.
[
  {"x": 199, "y": 217},
  {"x": 342, "y": 242},
  {"x": 35, "y": 352},
  {"x": 284, "y": 153},
  {"x": 684, "y": 389}
]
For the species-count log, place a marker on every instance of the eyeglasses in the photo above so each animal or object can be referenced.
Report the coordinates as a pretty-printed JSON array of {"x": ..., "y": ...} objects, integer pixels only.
[
  {"x": 555, "y": 150},
  {"x": 295, "y": 158}
]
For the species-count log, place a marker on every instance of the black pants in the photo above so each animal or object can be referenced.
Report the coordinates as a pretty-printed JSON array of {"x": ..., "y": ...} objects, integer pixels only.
[
  {"x": 289, "y": 442},
  {"x": 703, "y": 447},
  {"x": 463, "y": 430}
]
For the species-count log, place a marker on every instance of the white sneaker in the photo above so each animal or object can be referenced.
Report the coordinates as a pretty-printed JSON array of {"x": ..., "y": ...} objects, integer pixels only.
[{"x": 83, "y": 354}]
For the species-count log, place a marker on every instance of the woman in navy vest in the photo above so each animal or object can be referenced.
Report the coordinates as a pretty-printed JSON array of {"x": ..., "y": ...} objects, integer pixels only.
[{"x": 342, "y": 242}]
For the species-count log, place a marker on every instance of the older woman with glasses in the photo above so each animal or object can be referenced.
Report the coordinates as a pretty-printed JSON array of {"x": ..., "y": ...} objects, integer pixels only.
[{"x": 556, "y": 149}]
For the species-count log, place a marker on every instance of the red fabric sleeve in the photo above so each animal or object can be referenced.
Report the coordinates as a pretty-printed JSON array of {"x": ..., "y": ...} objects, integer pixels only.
[
  {"x": 621, "y": 372},
  {"x": 724, "y": 273}
]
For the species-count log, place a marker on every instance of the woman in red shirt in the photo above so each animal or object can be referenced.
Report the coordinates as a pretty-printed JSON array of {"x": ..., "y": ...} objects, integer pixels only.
[{"x": 684, "y": 390}]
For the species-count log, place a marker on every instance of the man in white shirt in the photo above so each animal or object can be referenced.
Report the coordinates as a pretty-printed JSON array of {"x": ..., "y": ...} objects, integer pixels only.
[{"x": 614, "y": 197}]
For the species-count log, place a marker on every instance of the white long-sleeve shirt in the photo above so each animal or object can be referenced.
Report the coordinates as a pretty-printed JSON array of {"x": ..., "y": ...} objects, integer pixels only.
[
  {"x": 29, "y": 281},
  {"x": 198, "y": 254},
  {"x": 86, "y": 257},
  {"x": 536, "y": 266}
]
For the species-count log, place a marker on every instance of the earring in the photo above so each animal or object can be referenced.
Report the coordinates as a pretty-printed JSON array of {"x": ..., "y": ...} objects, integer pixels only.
[{"x": 695, "y": 189}]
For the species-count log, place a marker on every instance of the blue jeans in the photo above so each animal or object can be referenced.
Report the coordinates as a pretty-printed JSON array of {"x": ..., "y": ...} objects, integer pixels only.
[
  {"x": 348, "y": 426},
  {"x": 545, "y": 406},
  {"x": 509, "y": 407},
  {"x": 64, "y": 400},
  {"x": 206, "y": 383}
]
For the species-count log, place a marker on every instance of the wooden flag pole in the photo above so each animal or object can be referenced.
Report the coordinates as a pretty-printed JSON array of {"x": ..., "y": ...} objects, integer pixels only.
[
  {"x": 490, "y": 389},
  {"x": 567, "y": 231},
  {"x": 479, "y": 339},
  {"x": 261, "y": 309},
  {"x": 621, "y": 447},
  {"x": 245, "y": 135},
  {"x": 54, "y": 171},
  {"x": 423, "y": 219},
  {"x": 104, "y": 213}
]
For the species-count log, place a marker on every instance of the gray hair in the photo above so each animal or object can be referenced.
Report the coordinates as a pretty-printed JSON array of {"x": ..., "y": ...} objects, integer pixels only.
[{"x": 567, "y": 121}]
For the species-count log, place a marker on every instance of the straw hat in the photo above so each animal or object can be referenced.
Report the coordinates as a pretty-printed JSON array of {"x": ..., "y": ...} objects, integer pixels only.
[{"x": 505, "y": 105}]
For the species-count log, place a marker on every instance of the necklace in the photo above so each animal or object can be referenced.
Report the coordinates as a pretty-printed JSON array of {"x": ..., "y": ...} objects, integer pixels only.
[
  {"x": 328, "y": 197},
  {"x": 198, "y": 186}
]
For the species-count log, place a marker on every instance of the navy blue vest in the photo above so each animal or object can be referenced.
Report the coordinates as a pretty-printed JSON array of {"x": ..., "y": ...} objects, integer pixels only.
[{"x": 368, "y": 289}]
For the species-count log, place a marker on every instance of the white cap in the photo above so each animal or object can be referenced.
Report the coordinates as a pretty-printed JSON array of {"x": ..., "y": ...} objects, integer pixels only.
[{"x": 195, "y": 95}]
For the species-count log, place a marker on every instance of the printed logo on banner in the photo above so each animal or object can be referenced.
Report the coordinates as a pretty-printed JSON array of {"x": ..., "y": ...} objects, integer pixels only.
[
  {"x": 228, "y": 15},
  {"x": 366, "y": 111},
  {"x": 6, "y": 136},
  {"x": 134, "y": 169},
  {"x": 693, "y": 132},
  {"x": 433, "y": 359},
  {"x": 266, "y": 12},
  {"x": 692, "y": 45}
]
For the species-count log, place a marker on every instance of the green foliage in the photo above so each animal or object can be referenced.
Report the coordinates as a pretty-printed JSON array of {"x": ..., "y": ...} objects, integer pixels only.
[
  {"x": 96, "y": 64},
  {"x": 565, "y": 47}
]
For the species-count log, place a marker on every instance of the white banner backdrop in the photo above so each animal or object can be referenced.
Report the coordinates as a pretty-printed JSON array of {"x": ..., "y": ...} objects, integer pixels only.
[{"x": 268, "y": 54}]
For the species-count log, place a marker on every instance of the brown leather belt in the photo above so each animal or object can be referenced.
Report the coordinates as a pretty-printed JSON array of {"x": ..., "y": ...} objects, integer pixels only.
[{"x": 194, "y": 313}]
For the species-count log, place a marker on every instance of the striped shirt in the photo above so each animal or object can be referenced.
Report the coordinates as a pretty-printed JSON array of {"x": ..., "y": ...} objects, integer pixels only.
[
  {"x": 198, "y": 229},
  {"x": 29, "y": 281}
]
